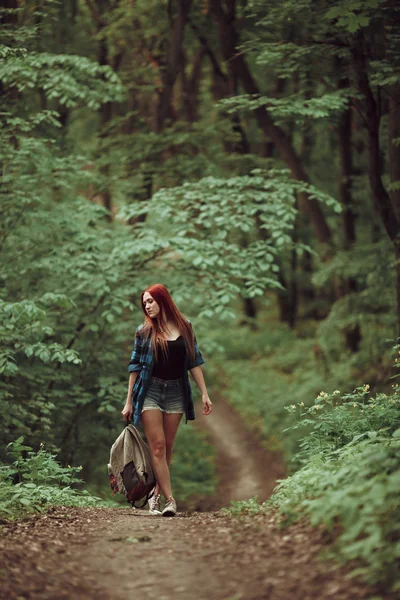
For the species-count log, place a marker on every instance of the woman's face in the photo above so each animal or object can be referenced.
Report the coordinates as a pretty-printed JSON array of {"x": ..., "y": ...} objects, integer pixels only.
[{"x": 150, "y": 305}]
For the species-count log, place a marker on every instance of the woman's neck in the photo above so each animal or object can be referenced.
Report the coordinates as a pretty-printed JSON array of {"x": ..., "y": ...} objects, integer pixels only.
[{"x": 169, "y": 329}]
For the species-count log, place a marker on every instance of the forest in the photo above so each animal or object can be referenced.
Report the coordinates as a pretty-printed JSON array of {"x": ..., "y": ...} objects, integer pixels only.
[{"x": 246, "y": 154}]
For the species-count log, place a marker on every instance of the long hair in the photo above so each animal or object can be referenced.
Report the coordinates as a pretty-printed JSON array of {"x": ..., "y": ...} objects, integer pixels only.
[{"x": 168, "y": 312}]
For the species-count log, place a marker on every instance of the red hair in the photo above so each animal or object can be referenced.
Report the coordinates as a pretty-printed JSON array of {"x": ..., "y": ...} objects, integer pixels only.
[{"x": 168, "y": 312}]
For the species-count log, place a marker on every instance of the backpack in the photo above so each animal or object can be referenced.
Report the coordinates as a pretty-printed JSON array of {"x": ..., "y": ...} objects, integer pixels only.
[{"x": 130, "y": 470}]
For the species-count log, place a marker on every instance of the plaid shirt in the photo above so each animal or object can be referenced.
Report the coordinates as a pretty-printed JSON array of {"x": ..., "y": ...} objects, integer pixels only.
[{"x": 142, "y": 360}]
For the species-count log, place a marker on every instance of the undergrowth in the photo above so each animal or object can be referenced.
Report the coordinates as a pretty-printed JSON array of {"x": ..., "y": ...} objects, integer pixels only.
[
  {"x": 193, "y": 464},
  {"x": 261, "y": 372},
  {"x": 35, "y": 481},
  {"x": 349, "y": 479}
]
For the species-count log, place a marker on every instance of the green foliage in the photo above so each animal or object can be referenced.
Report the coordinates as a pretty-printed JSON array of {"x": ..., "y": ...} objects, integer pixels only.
[
  {"x": 35, "y": 481},
  {"x": 350, "y": 478},
  {"x": 293, "y": 107},
  {"x": 354, "y": 14},
  {"x": 278, "y": 367},
  {"x": 338, "y": 419},
  {"x": 369, "y": 306},
  {"x": 193, "y": 468},
  {"x": 72, "y": 80},
  {"x": 97, "y": 203},
  {"x": 214, "y": 233},
  {"x": 66, "y": 274},
  {"x": 239, "y": 507},
  {"x": 67, "y": 278}
]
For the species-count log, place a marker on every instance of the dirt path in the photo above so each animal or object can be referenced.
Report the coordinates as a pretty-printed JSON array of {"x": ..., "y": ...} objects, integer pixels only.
[
  {"x": 244, "y": 468},
  {"x": 115, "y": 554}
]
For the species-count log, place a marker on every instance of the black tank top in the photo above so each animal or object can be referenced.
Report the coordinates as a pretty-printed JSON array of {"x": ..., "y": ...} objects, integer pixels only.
[{"x": 170, "y": 366}]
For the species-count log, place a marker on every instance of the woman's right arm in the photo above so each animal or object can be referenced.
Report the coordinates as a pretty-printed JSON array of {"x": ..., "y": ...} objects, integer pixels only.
[{"x": 127, "y": 411}]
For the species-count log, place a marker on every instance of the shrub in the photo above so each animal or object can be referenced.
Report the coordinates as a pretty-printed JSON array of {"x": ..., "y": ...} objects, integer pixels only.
[
  {"x": 350, "y": 478},
  {"x": 35, "y": 481}
]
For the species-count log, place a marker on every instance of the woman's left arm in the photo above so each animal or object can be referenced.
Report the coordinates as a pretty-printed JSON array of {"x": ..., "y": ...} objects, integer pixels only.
[{"x": 198, "y": 376}]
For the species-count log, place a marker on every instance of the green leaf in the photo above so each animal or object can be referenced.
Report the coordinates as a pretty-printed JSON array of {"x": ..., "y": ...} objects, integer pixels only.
[{"x": 25, "y": 501}]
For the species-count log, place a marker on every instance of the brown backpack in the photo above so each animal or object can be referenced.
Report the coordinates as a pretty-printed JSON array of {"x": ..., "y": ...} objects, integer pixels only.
[{"x": 130, "y": 469}]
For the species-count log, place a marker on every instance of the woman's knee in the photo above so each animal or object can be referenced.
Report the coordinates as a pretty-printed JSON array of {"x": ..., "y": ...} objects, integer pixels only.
[{"x": 158, "y": 447}]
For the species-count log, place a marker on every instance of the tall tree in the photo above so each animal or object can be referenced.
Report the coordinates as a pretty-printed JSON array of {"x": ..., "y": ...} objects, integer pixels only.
[{"x": 229, "y": 39}]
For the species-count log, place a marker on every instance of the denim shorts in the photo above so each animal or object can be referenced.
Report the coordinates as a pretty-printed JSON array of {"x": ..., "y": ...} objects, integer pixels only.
[{"x": 166, "y": 395}]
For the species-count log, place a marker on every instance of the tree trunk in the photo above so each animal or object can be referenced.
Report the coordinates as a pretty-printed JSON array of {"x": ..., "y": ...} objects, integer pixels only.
[
  {"x": 394, "y": 168},
  {"x": 346, "y": 173},
  {"x": 249, "y": 308},
  {"x": 352, "y": 333},
  {"x": 173, "y": 65},
  {"x": 394, "y": 149},
  {"x": 229, "y": 42},
  {"x": 381, "y": 198},
  {"x": 190, "y": 87},
  {"x": 106, "y": 112},
  {"x": 222, "y": 86},
  {"x": 172, "y": 68}
]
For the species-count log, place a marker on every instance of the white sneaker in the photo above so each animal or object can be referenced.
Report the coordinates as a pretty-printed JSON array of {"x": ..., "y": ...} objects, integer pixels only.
[
  {"x": 155, "y": 504},
  {"x": 170, "y": 508}
]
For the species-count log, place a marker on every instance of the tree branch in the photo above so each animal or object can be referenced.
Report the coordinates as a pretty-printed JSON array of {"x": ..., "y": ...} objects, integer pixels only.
[{"x": 204, "y": 42}]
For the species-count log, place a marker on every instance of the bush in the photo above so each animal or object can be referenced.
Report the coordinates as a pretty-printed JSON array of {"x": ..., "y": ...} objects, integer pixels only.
[
  {"x": 35, "y": 481},
  {"x": 350, "y": 478}
]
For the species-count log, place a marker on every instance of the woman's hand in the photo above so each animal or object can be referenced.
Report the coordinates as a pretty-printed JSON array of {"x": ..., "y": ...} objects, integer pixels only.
[
  {"x": 127, "y": 411},
  {"x": 207, "y": 404}
]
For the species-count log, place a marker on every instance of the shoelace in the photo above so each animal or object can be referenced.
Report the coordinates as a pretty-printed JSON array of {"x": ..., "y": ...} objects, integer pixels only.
[
  {"x": 171, "y": 503},
  {"x": 156, "y": 502}
]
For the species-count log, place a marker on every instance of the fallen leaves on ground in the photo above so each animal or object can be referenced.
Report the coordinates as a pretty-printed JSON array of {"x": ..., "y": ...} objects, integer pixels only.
[{"x": 103, "y": 553}]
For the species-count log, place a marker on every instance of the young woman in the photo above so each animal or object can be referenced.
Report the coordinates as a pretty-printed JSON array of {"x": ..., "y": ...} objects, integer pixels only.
[{"x": 165, "y": 350}]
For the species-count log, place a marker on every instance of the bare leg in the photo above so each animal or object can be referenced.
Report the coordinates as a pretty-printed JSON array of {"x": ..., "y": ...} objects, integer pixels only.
[
  {"x": 154, "y": 429},
  {"x": 170, "y": 424}
]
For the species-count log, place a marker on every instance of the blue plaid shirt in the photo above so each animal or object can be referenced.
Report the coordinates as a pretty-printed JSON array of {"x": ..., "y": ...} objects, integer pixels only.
[{"x": 142, "y": 360}]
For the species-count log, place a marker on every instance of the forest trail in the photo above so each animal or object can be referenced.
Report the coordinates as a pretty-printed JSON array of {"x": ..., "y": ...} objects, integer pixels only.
[
  {"x": 114, "y": 554},
  {"x": 244, "y": 467}
]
